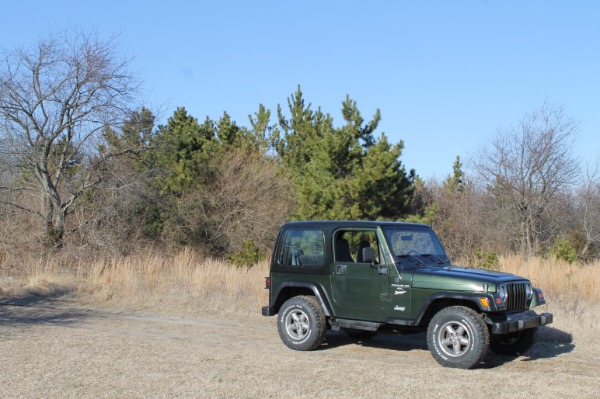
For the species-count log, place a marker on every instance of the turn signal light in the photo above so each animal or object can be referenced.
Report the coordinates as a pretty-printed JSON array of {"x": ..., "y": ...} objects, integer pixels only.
[{"x": 484, "y": 302}]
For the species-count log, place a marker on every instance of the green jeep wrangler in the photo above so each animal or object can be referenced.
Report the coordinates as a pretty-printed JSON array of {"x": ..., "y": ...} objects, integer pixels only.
[{"x": 367, "y": 277}]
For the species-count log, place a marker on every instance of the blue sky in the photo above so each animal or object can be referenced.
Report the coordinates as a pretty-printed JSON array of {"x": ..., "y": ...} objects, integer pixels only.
[{"x": 446, "y": 75}]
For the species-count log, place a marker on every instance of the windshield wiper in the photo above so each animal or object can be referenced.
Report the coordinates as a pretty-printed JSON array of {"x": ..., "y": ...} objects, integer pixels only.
[
  {"x": 440, "y": 260},
  {"x": 411, "y": 256}
]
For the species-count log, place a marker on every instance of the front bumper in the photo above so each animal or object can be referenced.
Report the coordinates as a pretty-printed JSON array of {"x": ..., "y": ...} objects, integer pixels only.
[{"x": 519, "y": 321}]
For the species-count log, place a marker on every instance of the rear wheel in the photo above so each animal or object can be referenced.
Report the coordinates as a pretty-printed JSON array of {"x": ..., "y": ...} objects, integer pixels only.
[
  {"x": 514, "y": 344},
  {"x": 458, "y": 337},
  {"x": 301, "y": 323}
]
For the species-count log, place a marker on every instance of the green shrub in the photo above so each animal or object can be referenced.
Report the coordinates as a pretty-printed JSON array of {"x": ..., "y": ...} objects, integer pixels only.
[
  {"x": 485, "y": 260},
  {"x": 248, "y": 256},
  {"x": 563, "y": 250}
]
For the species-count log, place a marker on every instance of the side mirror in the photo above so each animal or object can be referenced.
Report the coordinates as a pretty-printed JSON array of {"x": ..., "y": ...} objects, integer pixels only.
[{"x": 368, "y": 254}]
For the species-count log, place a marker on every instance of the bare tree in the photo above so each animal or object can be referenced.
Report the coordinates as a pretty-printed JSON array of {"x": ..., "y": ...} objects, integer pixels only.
[
  {"x": 247, "y": 200},
  {"x": 55, "y": 100},
  {"x": 525, "y": 167},
  {"x": 587, "y": 206}
]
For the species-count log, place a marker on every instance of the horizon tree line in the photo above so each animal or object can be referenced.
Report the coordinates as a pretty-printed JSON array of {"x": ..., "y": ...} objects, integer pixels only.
[{"x": 84, "y": 166}]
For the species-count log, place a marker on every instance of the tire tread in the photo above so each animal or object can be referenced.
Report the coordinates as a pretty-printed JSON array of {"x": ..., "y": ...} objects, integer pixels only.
[
  {"x": 315, "y": 312},
  {"x": 480, "y": 330}
]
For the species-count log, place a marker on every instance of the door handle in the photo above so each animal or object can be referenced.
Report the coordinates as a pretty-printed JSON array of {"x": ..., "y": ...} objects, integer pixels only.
[{"x": 340, "y": 269}]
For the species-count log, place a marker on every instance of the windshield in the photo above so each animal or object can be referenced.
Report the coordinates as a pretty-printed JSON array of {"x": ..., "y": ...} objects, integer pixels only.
[{"x": 415, "y": 247}]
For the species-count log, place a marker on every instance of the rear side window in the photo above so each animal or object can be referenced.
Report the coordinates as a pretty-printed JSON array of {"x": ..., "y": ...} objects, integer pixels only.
[{"x": 302, "y": 247}]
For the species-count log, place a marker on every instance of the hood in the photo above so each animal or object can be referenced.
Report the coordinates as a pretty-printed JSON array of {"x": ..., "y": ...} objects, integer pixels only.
[{"x": 456, "y": 278}]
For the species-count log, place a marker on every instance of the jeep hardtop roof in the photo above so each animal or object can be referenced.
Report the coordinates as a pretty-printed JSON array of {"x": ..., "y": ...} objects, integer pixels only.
[{"x": 333, "y": 224}]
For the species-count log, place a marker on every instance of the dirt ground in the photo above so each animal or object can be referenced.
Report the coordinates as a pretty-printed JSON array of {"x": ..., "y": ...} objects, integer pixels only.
[{"x": 60, "y": 348}]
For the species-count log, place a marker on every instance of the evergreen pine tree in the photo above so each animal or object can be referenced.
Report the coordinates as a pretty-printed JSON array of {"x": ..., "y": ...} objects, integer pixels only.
[
  {"x": 341, "y": 173},
  {"x": 182, "y": 152}
]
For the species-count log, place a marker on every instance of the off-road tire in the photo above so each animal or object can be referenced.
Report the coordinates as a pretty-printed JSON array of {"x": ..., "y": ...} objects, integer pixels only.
[
  {"x": 514, "y": 344},
  {"x": 361, "y": 335},
  {"x": 458, "y": 337},
  {"x": 301, "y": 323}
]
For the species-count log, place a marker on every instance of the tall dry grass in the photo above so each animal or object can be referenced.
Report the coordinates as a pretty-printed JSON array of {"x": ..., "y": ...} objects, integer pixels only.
[
  {"x": 558, "y": 279},
  {"x": 187, "y": 282},
  {"x": 572, "y": 292}
]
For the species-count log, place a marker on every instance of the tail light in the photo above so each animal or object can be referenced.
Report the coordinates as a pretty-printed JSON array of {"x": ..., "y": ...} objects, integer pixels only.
[{"x": 267, "y": 283}]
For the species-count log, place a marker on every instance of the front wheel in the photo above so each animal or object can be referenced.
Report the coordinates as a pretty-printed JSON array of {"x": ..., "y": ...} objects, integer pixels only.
[
  {"x": 458, "y": 337},
  {"x": 514, "y": 344},
  {"x": 301, "y": 323}
]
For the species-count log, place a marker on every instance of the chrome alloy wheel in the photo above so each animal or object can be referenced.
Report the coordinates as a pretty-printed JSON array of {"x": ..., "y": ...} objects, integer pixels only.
[
  {"x": 453, "y": 338},
  {"x": 297, "y": 324}
]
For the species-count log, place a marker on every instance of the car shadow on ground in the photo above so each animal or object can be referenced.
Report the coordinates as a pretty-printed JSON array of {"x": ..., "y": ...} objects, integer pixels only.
[
  {"x": 397, "y": 342},
  {"x": 33, "y": 308},
  {"x": 552, "y": 343}
]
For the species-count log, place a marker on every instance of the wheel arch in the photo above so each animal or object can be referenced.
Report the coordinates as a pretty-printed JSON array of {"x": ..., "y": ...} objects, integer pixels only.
[
  {"x": 437, "y": 302},
  {"x": 290, "y": 289}
]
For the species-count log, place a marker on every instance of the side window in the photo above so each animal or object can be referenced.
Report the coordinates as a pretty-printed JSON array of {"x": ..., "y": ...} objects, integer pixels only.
[
  {"x": 302, "y": 247},
  {"x": 349, "y": 245}
]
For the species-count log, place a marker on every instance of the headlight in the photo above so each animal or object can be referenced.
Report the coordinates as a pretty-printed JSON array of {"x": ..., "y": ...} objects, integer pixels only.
[
  {"x": 528, "y": 291},
  {"x": 501, "y": 294}
]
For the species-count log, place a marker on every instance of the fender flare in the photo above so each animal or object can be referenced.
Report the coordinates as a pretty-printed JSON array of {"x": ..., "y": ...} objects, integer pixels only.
[
  {"x": 468, "y": 297},
  {"x": 318, "y": 292}
]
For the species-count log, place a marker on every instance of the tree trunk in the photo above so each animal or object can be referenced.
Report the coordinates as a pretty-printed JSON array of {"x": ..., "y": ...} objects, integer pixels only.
[{"x": 54, "y": 220}]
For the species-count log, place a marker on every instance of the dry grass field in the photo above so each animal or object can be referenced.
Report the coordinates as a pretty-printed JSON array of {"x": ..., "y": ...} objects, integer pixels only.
[{"x": 185, "y": 326}]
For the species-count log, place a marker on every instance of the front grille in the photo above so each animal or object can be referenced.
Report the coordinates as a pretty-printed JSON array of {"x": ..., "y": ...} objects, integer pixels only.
[{"x": 517, "y": 297}]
